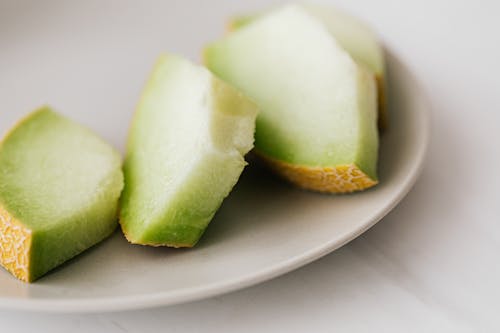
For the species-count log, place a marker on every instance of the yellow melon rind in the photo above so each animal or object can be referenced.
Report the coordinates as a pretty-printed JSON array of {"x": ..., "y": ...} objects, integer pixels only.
[
  {"x": 172, "y": 245},
  {"x": 339, "y": 179},
  {"x": 15, "y": 245}
]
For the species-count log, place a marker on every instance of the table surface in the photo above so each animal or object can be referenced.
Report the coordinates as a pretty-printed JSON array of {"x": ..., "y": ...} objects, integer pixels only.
[{"x": 431, "y": 264}]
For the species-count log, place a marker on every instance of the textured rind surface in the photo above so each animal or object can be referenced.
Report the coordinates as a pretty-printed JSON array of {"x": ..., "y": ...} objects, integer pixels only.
[
  {"x": 15, "y": 246},
  {"x": 336, "y": 179},
  {"x": 152, "y": 244}
]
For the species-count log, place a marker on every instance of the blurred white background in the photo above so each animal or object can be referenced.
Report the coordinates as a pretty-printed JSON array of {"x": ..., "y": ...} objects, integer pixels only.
[{"x": 429, "y": 266}]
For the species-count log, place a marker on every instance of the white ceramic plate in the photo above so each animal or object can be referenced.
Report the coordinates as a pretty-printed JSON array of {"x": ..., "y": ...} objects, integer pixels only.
[{"x": 89, "y": 61}]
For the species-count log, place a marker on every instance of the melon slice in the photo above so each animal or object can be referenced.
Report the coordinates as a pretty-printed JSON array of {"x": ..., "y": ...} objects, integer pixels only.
[
  {"x": 317, "y": 125},
  {"x": 185, "y": 152},
  {"x": 59, "y": 192},
  {"x": 354, "y": 36}
]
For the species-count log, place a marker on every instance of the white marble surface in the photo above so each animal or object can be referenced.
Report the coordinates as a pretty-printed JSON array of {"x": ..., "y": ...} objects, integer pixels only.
[{"x": 429, "y": 266}]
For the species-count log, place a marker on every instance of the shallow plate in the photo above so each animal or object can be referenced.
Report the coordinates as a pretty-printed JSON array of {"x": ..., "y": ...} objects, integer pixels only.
[{"x": 90, "y": 62}]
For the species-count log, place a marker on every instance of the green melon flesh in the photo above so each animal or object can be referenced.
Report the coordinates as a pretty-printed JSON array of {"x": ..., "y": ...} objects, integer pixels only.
[
  {"x": 60, "y": 184},
  {"x": 318, "y": 107},
  {"x": 354, "y": 36},
  {"x": 185, "y": 152}
]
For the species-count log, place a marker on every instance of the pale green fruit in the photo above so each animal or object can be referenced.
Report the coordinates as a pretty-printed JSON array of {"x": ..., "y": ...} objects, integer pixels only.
[
  {"x": 59, "y": 191},
  {"x": 185, "y": 152},
  {"x": 317, "y": 125},
  {"x": 358, "y": 39}
]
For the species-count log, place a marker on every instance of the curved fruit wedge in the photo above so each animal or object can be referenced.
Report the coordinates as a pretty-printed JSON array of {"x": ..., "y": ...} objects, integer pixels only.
[
  {"x": 59, "y": 191},
  {"x": 317, "y": 125},
  {"x": 353, "y": 35},
  {"x": 185, "y": 152}
]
